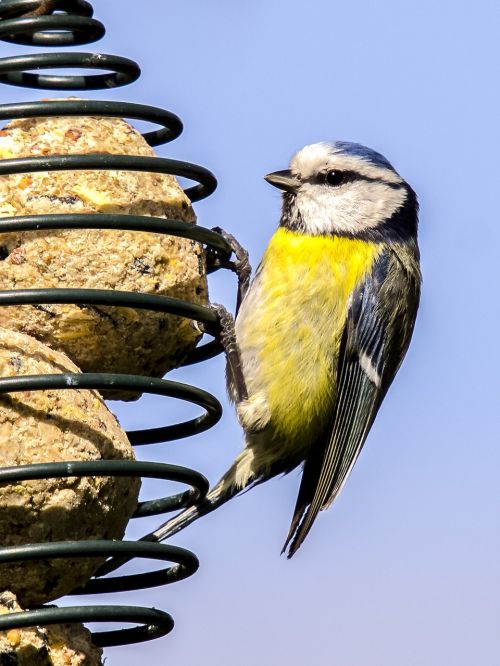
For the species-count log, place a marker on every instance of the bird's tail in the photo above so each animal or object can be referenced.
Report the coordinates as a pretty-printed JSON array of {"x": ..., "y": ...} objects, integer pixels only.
[
  {"x": 239, "y": 477},
  {"x": 215, "y": 498}
]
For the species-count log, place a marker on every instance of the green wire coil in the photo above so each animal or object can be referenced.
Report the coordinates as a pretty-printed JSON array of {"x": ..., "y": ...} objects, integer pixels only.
[{"x": 73, "y": 24}]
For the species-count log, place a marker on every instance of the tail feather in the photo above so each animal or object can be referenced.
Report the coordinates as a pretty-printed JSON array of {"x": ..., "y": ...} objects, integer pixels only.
[
  {"x": 312, "y": 467},
  {"x": 239, "y": 477},
  {"x": 243, "y": 474},
  {"x": 218, "y": 496}
]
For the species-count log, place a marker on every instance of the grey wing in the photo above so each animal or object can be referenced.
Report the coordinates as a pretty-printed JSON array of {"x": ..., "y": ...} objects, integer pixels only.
[{"x": 376, "y": 336}]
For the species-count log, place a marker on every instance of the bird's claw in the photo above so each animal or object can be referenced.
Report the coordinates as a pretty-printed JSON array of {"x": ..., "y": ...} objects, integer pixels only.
[
  {"x": 45, "y": 7},
  {"x": 225, "y": 333},
  {"x": 239, "y": 265}
]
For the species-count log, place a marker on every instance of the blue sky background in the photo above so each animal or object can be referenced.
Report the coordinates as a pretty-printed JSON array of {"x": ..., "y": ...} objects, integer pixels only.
[{"x": 405, "y": 568}]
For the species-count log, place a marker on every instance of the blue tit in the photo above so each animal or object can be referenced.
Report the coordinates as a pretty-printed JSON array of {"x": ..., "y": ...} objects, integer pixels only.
[{"x": 323, "y": 327}]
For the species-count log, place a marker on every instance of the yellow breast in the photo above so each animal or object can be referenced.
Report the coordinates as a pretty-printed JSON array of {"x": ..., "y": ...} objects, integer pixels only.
[{"x": 289, "y": 328}]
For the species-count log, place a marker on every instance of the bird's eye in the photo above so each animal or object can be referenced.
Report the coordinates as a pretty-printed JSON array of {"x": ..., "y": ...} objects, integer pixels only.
[{"x": 334, "y": 177}]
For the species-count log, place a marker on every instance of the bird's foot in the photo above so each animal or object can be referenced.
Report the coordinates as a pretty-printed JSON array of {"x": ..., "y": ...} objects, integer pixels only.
[
  {"x": 240, "y": 265},
  {"x": 45, "y": 7}
]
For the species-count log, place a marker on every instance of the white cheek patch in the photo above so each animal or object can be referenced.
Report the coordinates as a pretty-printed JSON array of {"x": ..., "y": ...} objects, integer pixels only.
[{"x": 351, "y": 208}]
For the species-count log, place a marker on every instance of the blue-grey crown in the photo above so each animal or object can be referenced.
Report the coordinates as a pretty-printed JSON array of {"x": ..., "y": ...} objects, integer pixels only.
[{"x": 357, "y": 150}]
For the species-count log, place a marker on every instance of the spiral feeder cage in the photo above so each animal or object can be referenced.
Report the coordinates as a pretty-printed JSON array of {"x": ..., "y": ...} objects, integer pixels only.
[{"x": 73, "y": 24}]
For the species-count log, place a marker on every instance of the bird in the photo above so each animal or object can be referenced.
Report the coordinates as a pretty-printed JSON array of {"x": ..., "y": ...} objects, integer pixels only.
[{"x": 321, "y": 330}]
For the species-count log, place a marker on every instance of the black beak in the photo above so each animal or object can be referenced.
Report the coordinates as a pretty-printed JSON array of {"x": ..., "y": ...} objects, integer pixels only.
[{"x": 283, "y": 180}]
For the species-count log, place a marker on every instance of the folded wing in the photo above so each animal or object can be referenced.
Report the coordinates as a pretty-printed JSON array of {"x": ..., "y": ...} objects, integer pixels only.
[{"x": 376, "y": 335}]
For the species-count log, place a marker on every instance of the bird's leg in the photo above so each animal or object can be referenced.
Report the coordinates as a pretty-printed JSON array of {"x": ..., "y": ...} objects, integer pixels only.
[
  {"x": 240, "y": 265},
  {"x": 227, "y": 338}
]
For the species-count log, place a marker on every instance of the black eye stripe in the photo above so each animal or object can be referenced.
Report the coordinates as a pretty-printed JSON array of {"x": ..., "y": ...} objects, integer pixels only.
[{"x": 350, "y": 177}]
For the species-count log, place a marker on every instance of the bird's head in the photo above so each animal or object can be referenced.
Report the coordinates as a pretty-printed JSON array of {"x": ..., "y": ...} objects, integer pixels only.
[{"x": 346, "y": 189}]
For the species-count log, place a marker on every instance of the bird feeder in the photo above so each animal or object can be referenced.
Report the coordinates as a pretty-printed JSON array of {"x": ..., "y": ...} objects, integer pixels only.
[{"x": 102, "y": 291}]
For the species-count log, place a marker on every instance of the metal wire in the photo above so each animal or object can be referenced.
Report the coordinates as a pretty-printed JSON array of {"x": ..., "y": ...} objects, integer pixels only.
[{"x": 73, "y": 24}]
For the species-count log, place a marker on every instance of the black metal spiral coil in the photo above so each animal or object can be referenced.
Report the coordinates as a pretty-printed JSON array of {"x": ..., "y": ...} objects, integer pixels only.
[{"x": 74, "y": 24}]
